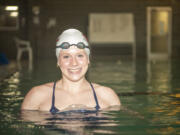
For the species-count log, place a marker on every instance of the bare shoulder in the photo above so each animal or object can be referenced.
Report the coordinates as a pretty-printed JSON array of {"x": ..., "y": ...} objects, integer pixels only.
[
  {"x": 40, "y": 90},
  {"x": 35, "y": 96},
  {"x": 107, "y": 94}
]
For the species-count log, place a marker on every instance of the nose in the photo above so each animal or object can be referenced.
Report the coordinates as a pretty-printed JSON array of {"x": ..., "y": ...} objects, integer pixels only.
[{"x": 74, "y": 61}]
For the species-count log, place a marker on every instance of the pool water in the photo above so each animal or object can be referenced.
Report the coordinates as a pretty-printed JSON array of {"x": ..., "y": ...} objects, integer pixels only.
[{"x": 149, "y": 92}]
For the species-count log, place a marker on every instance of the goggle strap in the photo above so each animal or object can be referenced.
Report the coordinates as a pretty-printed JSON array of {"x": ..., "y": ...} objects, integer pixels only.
[{"x": 59, "y": 46}]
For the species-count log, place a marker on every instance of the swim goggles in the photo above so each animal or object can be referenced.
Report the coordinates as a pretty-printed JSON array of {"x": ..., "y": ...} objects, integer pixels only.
[{"x": 66, "y": 45}]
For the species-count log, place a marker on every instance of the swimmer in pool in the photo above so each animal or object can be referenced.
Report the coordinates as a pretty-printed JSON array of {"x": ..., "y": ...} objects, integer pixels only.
[{"x": 72, "y": 51}]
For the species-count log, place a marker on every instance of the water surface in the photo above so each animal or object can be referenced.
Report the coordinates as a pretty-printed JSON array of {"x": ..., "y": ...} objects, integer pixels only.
[{"x": 149, "y": 92}]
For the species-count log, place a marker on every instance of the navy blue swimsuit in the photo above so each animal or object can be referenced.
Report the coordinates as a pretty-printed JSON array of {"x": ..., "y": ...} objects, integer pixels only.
[{"x": 55, "y": 110}]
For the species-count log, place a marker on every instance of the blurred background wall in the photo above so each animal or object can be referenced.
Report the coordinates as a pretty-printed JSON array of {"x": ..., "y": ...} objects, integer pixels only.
[{"x": 41, "y": 21}]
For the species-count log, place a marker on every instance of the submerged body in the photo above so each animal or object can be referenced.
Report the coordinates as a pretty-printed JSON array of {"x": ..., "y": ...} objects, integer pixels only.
[{"x": 72, "y": 89}]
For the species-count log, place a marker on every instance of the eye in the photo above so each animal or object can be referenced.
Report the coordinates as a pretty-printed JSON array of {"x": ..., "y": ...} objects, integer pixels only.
[
  {"x": 65, "y": 57},
  {"x": 80, "y": 55}
]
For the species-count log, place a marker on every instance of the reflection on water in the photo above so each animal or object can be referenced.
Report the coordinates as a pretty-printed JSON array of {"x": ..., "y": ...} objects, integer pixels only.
[
  {"x": 159, "y": 75},
  {"x": 72, "y": 123},
  {"x": 150, "y": 99}
]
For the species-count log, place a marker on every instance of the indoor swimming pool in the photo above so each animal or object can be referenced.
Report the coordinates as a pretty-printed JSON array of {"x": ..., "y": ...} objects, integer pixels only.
[{"x": 149, "y": 92}]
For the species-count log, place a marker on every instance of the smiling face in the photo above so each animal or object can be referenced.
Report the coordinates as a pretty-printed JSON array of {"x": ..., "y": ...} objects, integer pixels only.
[{"x": 73, "y": 63}]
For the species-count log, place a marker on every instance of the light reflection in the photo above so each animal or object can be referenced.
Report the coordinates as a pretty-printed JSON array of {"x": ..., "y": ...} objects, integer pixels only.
[
  {"x": 159, "y": 75},
  {"x": 11, "y": 92},
  {"x": 14, "y": 14},
  {"x": 104, "y": 131},
  {"x": 14, "y": 79},
  {"x": 163, "y": 131},
  {"x": 165, "y": 110},
  {"x": 177, "y": 95},
  {"x": 12, "y": 86},
  {"x": 8, "y": 93}
]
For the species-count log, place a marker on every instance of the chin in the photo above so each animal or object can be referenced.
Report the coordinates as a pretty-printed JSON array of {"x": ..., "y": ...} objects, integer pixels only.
[{"x": 74, "y": 79}]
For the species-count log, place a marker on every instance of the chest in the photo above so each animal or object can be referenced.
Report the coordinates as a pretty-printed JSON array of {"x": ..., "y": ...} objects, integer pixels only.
[{"x": 64, "y": 100}]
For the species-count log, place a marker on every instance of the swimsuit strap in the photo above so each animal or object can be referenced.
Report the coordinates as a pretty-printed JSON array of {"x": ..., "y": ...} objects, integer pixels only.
[
  {"x": 53, "y": 108},
  {"x": 95, "y": 97},
  {"x": 53, "y": 95}
]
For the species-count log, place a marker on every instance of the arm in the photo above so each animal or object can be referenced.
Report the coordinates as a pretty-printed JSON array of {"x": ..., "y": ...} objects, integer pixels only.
[
  {"x": 112, "y": 97},
  {"x": 32, "y": 100},
  {"x": 108, "y": 97}
]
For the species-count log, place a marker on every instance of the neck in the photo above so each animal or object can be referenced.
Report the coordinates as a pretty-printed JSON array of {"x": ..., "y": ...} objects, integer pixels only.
[{"x": 73, "y": 87}]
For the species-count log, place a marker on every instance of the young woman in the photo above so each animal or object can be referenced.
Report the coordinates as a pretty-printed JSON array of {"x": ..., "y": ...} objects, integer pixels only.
[{"x": 72, "y": 90}]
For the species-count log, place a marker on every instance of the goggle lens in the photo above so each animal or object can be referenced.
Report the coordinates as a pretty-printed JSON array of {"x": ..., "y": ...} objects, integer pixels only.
[
  {"x": 66, "y": 45},
  {"x": 81, "y": 45}
]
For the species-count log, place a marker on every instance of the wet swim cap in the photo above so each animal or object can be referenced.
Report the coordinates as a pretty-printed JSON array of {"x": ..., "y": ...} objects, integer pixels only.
[{"x": 72, "y": 36}]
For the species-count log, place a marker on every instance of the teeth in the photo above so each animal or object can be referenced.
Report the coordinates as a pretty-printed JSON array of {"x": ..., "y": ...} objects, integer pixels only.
[{"x": 74, "y": 70}]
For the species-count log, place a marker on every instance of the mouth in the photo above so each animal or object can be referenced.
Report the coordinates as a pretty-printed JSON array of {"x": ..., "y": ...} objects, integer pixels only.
[{"x": 75, "y": 70}]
